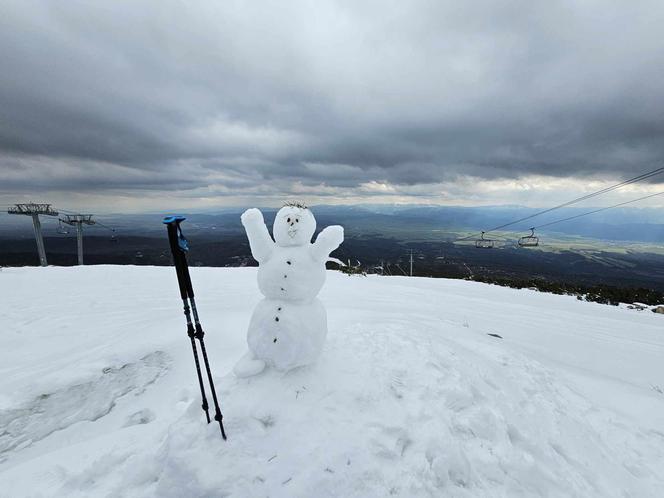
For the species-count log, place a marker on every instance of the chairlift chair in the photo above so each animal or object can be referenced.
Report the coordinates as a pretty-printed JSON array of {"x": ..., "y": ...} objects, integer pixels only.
[
  {"x": 61, "y": 229},
  {"x": 529, "y": 240},
  {"x": 483, "y": 243}
]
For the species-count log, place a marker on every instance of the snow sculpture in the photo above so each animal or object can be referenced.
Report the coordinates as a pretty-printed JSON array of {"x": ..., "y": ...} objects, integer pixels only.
[{"x": 288, "y": 327}]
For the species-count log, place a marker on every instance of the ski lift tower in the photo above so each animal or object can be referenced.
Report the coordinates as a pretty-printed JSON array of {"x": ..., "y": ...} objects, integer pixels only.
[
  {"x": 34, "y": 210},
  {"x": 78, "y": 220}
]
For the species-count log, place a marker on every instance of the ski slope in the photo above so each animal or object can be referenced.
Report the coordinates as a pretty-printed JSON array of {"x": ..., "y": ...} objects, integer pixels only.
[{"x": 411, "y": 397}]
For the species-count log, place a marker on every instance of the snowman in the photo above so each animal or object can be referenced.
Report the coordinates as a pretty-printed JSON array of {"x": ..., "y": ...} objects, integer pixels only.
[{"x": 289, "y": 326}]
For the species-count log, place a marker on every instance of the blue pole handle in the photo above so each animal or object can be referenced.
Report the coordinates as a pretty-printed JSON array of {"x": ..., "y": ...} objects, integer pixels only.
[{"x": 175, "y": 220}]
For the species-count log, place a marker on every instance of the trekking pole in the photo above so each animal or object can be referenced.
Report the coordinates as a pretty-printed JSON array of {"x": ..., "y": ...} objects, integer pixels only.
[
  {"x": 199, "y": 328},
  {"x": 199, "y": 335},
  {"x": 179, "y": 246}
]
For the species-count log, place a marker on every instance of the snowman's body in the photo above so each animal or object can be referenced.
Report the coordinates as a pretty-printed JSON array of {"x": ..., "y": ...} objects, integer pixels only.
[
  {"x": 288, "y": 327},
  {"x": 291, "y": 274},
  {"x": 296, "y": 339}
]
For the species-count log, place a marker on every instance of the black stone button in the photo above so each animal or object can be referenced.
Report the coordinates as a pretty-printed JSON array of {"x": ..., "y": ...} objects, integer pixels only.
[
  {"x": 288, "y": 262},
  {"x": 285, "y": 276},
  {"x": 283, "y": 289},
  {"x": 275, "y": 340},
  {"x": 276, "y": 318},
  {"x": 279, "y": 309}
]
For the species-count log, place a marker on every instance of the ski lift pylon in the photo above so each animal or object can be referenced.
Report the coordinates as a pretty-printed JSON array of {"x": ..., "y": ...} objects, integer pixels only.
[
  {"x": 529, "y": 240},
  {"x": 483, "y": 243}
]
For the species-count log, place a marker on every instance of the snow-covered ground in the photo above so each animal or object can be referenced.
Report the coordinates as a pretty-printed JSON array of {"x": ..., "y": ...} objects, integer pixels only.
[{"x": 411, "y": 397}]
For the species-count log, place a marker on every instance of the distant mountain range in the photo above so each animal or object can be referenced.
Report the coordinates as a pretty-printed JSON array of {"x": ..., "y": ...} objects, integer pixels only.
[{"x": 621, "y": 224}]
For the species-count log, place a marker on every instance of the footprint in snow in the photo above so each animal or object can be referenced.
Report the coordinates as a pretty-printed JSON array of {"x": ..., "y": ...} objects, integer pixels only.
[
  {"x": 144, "y": 416},
  {"x": 389, "y": 442}
]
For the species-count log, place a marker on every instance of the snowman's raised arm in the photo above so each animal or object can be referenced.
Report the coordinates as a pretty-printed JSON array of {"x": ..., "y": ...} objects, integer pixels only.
[
  {"x": 326, "y": 242},
  {"x": 259, "y": 238}
]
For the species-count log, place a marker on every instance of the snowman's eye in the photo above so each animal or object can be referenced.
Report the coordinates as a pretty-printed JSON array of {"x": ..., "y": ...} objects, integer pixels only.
[
  {"x": 288, "y": 220},
  {"x": 296, "y": 220}
]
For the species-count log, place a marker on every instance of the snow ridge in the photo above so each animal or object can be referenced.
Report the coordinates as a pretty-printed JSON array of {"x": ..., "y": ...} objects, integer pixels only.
[
  {"x": 410, "y": 397},
  {"x": 88, "y": 401},
  {"x": 455, "y": 421}
]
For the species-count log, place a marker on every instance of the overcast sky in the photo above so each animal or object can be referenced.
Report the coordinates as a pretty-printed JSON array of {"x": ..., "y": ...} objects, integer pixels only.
[{"x": 130, "y": 106}]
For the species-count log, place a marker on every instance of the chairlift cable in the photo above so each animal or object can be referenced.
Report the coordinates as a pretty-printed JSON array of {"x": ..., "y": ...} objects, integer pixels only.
[
  {"x": 105, "y": 226},
  {"x": 636, "y": 179},
  {"x": 597, "y": 210},
  {"x": 67, "y": 211},
  {"x": 641, "y": 177}
]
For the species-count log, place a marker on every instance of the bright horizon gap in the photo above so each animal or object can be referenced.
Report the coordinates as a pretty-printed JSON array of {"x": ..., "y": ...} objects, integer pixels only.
[{"x": 528, "y": 192}]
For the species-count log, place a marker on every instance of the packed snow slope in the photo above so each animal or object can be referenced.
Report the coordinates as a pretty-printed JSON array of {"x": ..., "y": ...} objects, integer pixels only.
[{"x": 411, "y": 396}]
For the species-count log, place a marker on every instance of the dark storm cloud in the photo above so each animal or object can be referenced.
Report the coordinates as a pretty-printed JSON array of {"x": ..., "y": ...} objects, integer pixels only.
[{"x": 167, "y": 95}]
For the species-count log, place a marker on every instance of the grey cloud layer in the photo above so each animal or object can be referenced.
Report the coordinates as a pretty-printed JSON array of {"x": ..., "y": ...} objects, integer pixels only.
[{"x": 163, "y": 95}]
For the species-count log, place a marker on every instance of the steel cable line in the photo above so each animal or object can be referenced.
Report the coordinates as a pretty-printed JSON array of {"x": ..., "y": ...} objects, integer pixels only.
[
  {"x": 636, "y": 179},
  {"x": 641, "y": 177},
  {"x": 105, "y": 226},
  {"x": 113, "y": 231},
  {"x": 67, "y": 211},
  {"x": 597, "y": 210}
]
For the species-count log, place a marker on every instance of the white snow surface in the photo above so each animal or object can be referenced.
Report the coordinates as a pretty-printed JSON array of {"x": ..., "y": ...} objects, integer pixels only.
[{"x": 411, "y": 397}]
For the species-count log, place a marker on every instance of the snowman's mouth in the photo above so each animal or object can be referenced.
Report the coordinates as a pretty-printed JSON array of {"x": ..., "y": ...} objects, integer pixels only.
[{"x": 292, "y": 232}]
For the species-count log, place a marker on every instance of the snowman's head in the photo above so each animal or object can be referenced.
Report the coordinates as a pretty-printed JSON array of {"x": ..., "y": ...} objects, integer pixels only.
[{"x": 294, "y": 225}]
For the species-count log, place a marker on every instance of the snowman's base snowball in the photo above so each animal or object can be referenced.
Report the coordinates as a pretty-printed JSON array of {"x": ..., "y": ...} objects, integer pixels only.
[
  {"x": 287, "y": 334},
  {"x": 248, "y": 366}
]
